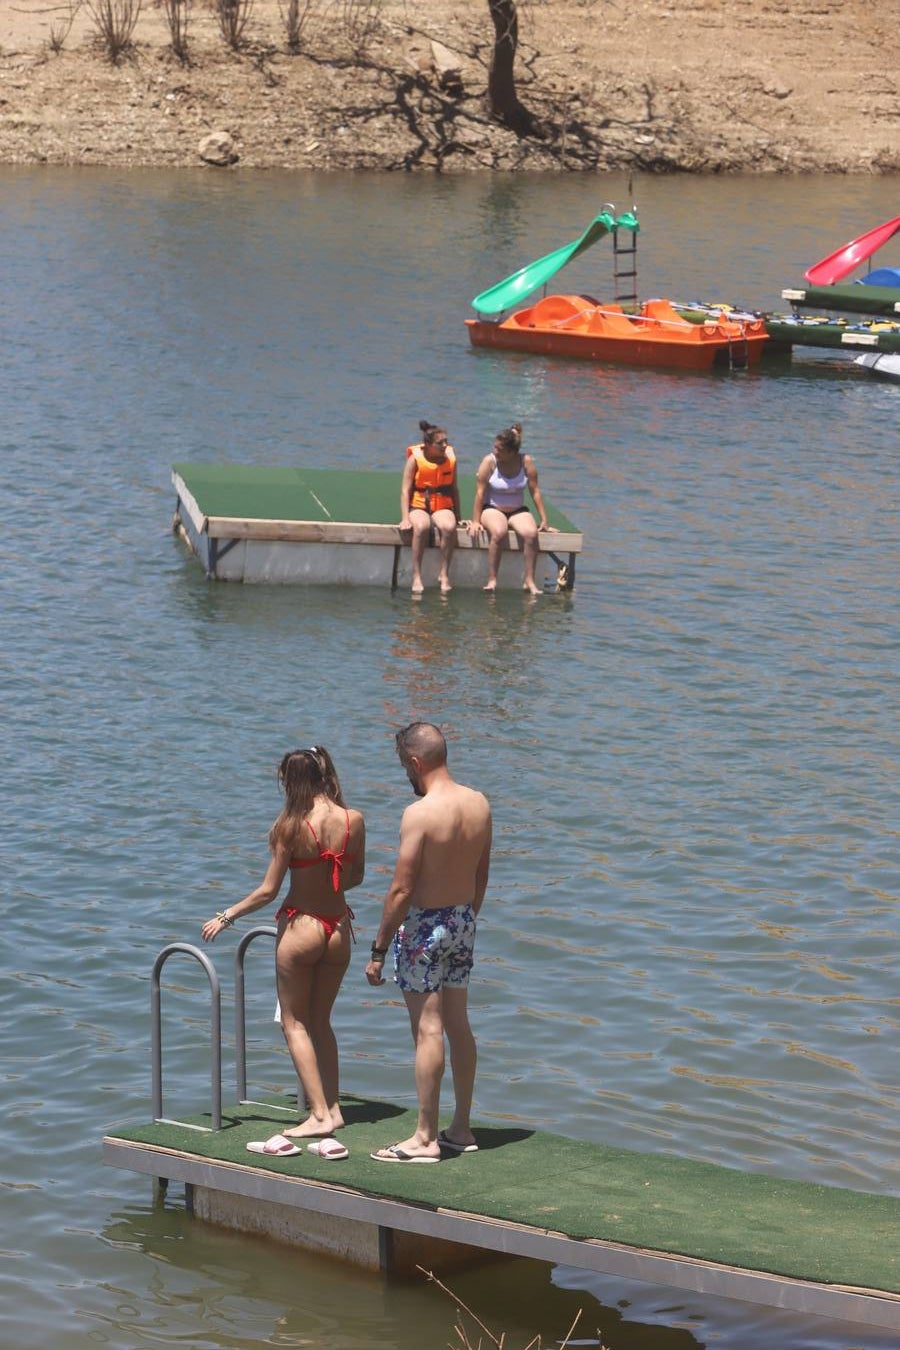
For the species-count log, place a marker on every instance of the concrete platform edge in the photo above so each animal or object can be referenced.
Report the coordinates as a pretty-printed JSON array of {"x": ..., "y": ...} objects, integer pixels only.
[{"x": 869, "y": 1308}]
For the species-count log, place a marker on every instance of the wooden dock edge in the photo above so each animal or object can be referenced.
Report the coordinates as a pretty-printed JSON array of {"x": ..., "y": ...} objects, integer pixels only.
[
  {"x": 355, "y": 532},
  {"x": 374, "y": 1232}
]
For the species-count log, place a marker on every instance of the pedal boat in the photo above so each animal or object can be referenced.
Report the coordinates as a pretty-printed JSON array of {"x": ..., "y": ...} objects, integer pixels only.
[{"x": 655, "y": 334}]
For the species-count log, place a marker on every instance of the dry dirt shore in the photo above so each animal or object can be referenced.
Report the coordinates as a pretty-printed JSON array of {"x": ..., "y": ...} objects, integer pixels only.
[{"x": 699, "y": 85}]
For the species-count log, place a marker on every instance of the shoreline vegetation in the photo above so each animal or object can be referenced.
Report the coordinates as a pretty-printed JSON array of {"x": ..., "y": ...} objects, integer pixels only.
[{"x": 700, "y": 86}]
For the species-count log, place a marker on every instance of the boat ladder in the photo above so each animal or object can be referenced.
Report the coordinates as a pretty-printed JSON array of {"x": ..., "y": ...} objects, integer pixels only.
[
  {"x": 738, "y": 351},
  {"x": 625, "y": 268}
]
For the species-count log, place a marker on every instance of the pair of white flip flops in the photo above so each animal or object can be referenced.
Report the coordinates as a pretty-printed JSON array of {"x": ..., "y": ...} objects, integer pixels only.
[{"x": 280, "y": 1146}]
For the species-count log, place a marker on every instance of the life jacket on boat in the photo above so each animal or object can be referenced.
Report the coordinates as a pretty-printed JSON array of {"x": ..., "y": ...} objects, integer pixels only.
[{"x": 433, "y": 482}]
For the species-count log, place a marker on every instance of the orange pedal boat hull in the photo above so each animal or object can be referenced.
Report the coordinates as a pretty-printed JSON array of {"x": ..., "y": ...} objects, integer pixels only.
[{"x": 576, "y": 325}]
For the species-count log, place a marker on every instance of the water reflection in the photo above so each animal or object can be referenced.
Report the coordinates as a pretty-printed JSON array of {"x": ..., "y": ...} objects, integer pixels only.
[
  {"x": 483, "y": 642},
  {"x": 648, "y": 1314},
  {"x": 290, "y": 1298}
]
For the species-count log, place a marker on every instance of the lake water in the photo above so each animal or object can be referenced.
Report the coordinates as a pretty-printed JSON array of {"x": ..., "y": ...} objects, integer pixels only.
[{"x": 690, "y": 936}]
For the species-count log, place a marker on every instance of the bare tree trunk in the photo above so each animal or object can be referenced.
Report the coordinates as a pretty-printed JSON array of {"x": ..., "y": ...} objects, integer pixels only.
[{"x": 503, "y": 101}]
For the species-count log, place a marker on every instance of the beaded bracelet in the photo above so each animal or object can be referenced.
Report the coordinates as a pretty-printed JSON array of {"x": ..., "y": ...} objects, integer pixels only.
[{"x": 224, "y": 918}]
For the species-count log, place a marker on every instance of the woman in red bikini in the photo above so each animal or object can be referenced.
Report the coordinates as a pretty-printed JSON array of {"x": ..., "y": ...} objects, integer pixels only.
[{"x": 322, "y": 845}]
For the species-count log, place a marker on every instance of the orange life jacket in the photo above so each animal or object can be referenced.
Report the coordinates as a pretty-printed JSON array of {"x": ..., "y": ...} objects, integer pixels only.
[{"x": 432, "y": 483}]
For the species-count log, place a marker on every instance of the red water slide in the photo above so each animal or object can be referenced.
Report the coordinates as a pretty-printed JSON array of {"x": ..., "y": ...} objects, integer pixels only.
[{"x": 840, "y": 263}]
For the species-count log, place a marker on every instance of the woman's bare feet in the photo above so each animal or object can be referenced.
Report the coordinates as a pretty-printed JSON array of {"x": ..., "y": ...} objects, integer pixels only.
[
  {"x": 417, "y": 588},
  {"x": 531, "y": 587},
  {"x": 313, "y": 1127},
  {"x": 491, "y": 586}
]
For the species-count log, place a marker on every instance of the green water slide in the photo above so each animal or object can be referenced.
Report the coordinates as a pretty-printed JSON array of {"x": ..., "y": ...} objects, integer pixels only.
[{"x": 507, "y": 293}]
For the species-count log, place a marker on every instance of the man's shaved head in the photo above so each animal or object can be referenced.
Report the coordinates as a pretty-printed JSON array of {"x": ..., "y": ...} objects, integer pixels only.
[{"x": 424, "y": 741}]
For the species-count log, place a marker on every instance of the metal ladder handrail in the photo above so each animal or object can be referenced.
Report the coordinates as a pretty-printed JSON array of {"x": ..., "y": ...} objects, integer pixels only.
[
  {"x": 240, "y": 1028},
  {"x": 215, "y": 1034},
  {"x": 621, "y": 274}
]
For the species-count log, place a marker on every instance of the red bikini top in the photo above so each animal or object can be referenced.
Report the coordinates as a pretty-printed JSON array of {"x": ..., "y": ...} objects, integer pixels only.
[{"x": 336, "y": 858}]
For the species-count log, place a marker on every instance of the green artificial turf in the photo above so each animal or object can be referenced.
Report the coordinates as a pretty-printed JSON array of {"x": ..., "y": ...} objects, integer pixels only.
[
  {"x": 666, "y": 1204},
  {"x": 364, "y": 496}
]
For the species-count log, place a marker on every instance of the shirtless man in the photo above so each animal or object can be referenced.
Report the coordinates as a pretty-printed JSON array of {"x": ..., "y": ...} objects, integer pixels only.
[{"x": 437, "y": 890}]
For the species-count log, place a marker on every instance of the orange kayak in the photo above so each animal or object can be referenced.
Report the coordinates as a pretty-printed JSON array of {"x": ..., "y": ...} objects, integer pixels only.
[{"x": 655, "y": 335}]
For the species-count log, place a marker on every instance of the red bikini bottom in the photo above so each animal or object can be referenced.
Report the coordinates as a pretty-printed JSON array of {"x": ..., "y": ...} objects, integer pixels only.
[{"x": 330, "y": 923}]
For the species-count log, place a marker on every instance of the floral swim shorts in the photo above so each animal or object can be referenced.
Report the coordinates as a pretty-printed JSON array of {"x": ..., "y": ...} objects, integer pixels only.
[{"x": 434, "y": 949}]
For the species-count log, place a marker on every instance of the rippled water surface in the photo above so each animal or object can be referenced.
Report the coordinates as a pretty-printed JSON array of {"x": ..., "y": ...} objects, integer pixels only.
[{"x": 690, "y": 938}]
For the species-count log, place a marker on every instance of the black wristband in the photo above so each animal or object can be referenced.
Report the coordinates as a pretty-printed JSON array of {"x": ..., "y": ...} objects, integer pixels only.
[{"x": 379, "y": 953}]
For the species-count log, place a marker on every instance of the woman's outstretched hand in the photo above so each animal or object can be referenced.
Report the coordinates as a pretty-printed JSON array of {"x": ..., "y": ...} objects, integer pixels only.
[{"x": 213, "y": 927}]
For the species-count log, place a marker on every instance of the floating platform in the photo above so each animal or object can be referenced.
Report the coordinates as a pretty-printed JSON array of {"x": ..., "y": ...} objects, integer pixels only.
[
  {"x": 655, "y": 334},
  {"x": 880, "y": 335},
  {"x": 814, "y": 1250},
  {"x": 337, "y": 527},
  {"x": 827, "y": 289},
  {"x": 852, "y": 297}
]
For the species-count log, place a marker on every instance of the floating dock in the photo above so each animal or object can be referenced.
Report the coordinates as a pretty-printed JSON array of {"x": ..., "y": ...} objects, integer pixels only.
[
  {"x": 337, "y": 527},
  {"x": 802, "y": 330},
  {"x": 814, "y": 1250},
  {"x": 851, "y": 298},
  {"x": 856, "y": 317}
]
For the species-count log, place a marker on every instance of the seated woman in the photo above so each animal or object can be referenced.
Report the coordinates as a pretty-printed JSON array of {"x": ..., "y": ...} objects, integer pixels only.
[
  {"x": 500, "y": 504},
  {"x": 323, "y": 846},
  {"x": 429, "y": 500}
]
